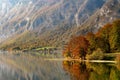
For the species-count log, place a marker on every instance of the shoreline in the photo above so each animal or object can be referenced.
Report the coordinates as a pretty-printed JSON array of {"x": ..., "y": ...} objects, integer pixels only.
[{"x": 92, "y": 61}]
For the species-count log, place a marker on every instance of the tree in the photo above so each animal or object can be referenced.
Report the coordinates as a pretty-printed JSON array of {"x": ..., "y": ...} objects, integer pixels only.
[
  {"x": 77, "y": 47},
  {"x": 103, "y": 36},
  {"x": 107, "y": 39},
  {"x": 92, "y": 41},
  {"x": 115, "y": 36}
]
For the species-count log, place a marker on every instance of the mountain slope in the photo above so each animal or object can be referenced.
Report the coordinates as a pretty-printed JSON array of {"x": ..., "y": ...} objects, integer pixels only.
[
  {"x": 106, "y": 14},
  {"x": 33, "y": 23}
]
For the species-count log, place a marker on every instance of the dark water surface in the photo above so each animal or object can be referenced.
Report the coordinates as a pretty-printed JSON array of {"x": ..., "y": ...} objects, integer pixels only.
[{"x": 34, "y": 67}]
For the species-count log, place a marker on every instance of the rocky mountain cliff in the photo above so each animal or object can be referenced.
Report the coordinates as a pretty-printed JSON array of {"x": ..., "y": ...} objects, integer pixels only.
[
  {"x": 52, "y": 22},
  {"x": 108, "y": 12}
]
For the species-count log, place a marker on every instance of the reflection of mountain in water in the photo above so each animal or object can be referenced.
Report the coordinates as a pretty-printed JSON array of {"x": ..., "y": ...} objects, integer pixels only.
[
  {"x": 91, "y": 71},
  {"x": 28, "y": 67}
]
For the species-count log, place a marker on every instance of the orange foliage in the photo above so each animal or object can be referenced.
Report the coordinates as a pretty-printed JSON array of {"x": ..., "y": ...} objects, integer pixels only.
[
  {"x": 78, "y": 47},
  {"x": 77, "y": 70},
  {"x": 107, "y": 39}
]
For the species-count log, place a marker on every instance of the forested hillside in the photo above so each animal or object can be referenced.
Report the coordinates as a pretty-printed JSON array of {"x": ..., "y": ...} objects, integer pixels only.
[{"x": 93, "y": 46}]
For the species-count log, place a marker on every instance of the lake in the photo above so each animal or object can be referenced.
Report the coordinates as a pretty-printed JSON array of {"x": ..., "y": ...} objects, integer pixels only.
[{"x": 27, "y": 66}]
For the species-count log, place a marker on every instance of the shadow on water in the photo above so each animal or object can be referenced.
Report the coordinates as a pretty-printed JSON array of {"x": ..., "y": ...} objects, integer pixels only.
[{"x": 91, "y": 71}]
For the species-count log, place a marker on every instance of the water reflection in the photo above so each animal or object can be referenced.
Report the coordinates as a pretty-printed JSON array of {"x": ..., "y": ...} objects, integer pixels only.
[
  {"x": 91, "y": 71},
  {"x": 34, "y": 67},
  {"x": 30, "y": 67},
  {"x": 77, "y": 70}
]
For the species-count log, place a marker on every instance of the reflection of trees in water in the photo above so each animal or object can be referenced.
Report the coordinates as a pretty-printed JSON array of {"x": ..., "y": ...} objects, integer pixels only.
[
  {"x": 99, "y": 71},
  {"x": 77, "y": 70},
  {"x": 91, "y": 71}
]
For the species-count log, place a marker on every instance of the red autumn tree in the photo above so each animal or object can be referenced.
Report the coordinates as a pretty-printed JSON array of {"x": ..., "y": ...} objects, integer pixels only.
[{"x": 77, "y": 47}]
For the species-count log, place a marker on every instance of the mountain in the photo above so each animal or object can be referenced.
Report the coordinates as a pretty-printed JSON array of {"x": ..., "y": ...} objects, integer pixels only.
[
  {"x": 16, "y": 14},
  {"x": 32, "y": 23},
  {"x": 106, "y": 14}
]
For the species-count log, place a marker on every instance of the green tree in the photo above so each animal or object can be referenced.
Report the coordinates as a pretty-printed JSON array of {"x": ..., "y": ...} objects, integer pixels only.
[
  {"x": 115, "y": 36},
  {"x": 92, "y": 41},
  {"x": 103, "y": 36}
]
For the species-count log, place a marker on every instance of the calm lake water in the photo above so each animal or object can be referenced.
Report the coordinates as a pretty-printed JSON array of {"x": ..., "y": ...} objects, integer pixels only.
[{"x": 31, "y": 67}]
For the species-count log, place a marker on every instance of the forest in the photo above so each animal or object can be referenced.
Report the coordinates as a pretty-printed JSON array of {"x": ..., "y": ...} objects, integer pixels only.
[{"x": 95, "y": 45}]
